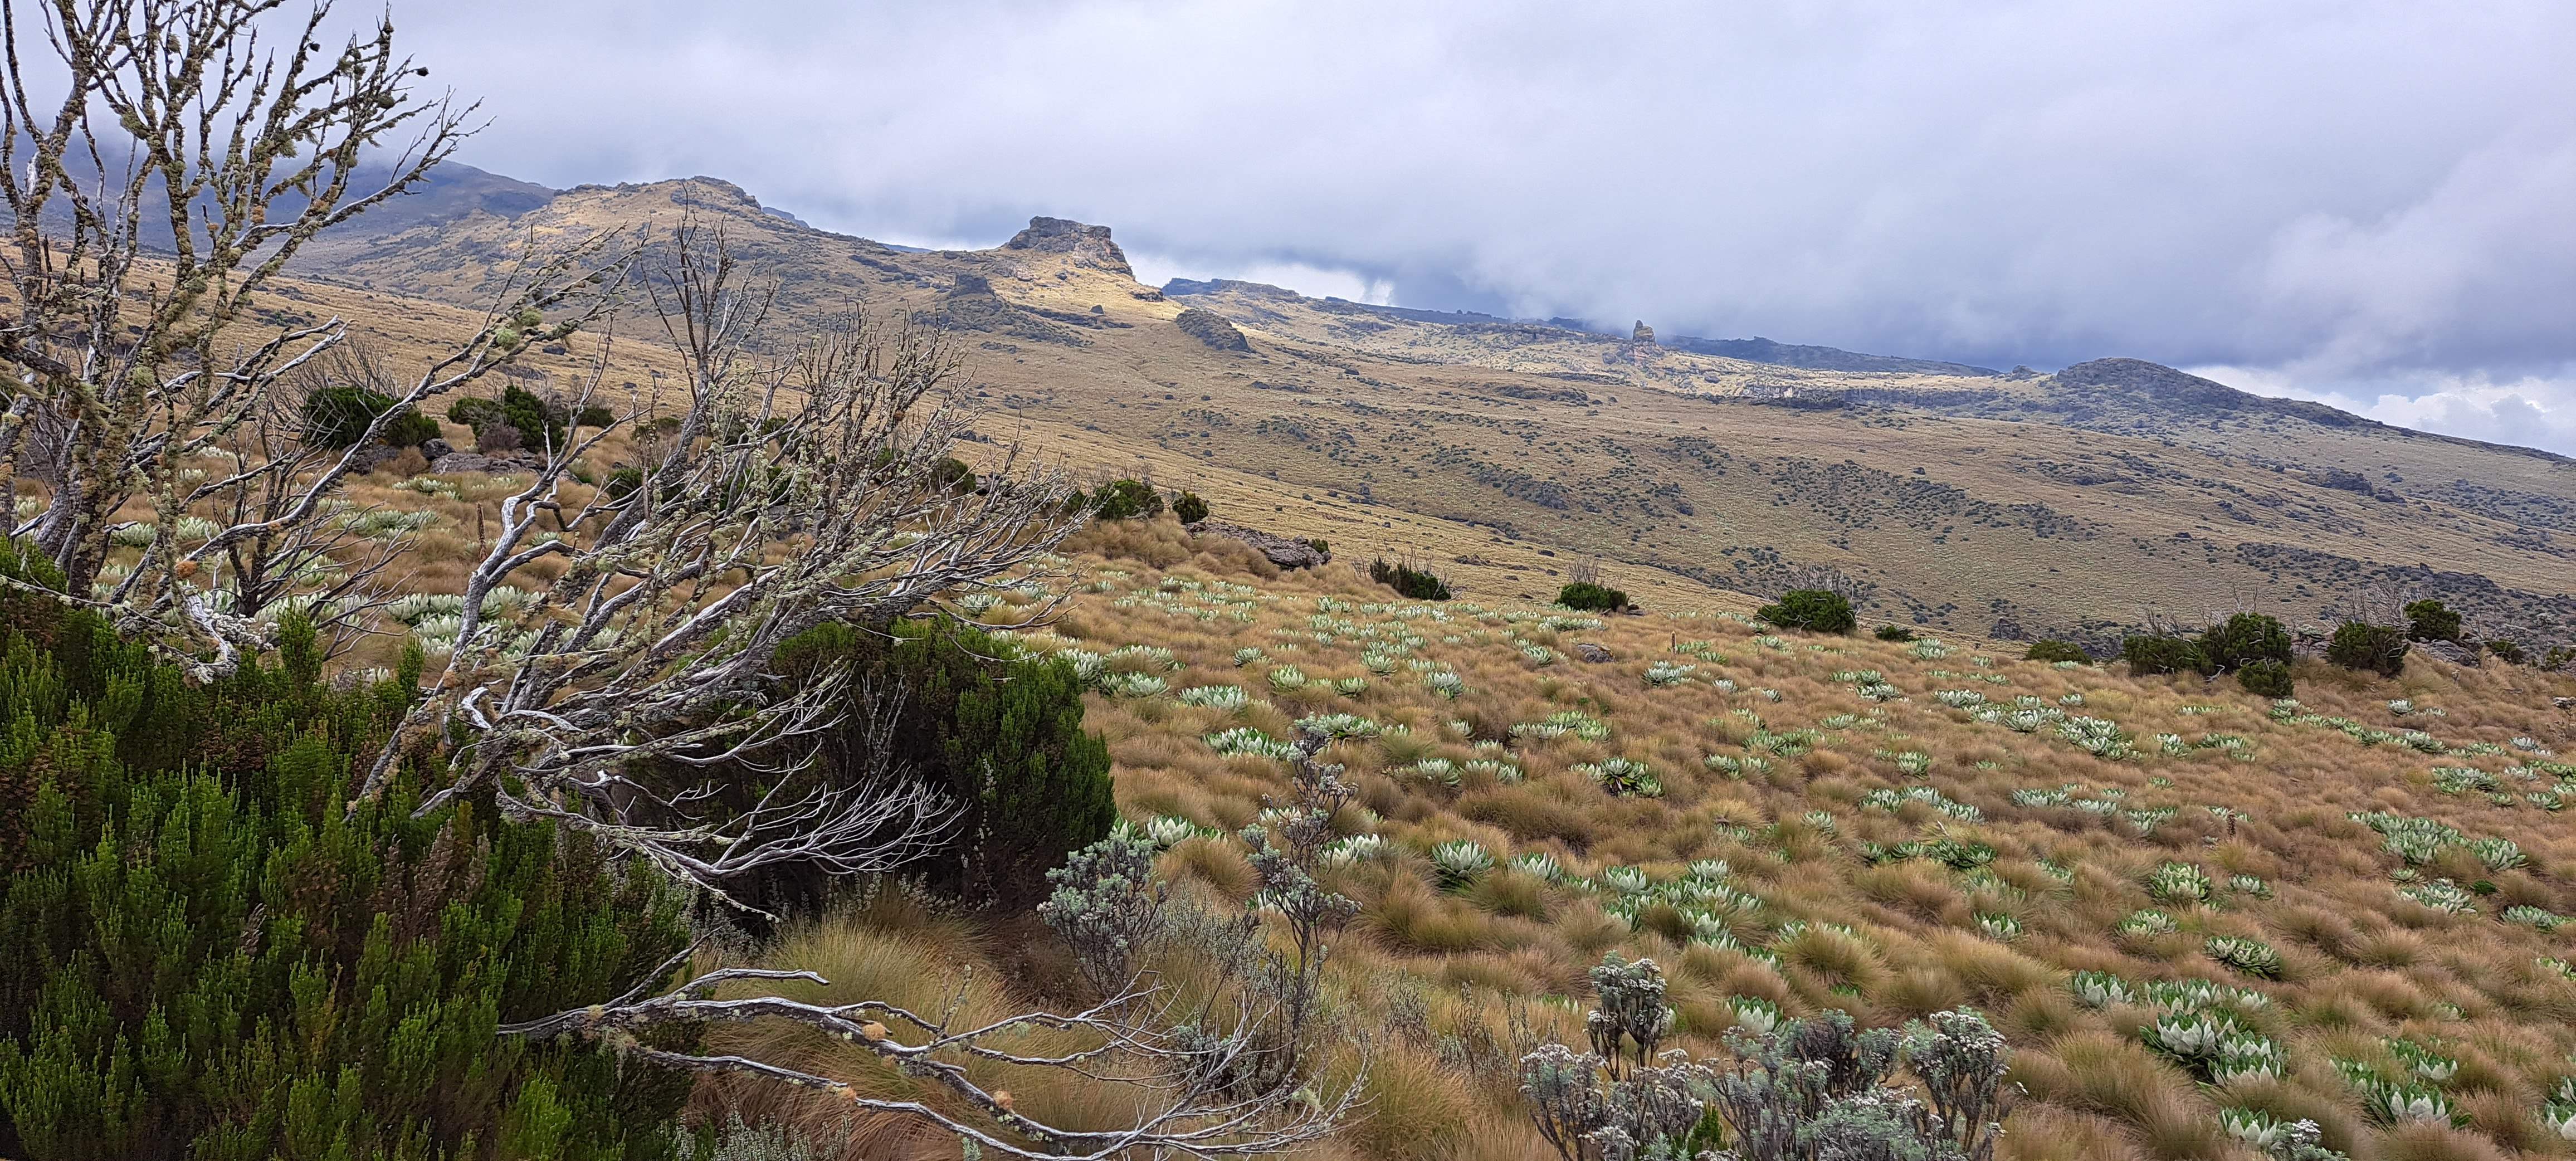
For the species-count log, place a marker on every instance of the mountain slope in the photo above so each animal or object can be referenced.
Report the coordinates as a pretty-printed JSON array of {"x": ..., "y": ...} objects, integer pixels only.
[{"x": 2072, "y": 504}]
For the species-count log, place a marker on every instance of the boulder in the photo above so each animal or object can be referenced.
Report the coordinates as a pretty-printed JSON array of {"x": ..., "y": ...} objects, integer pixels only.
[
  {"x": 2450, "y": 651},
  {"x": 1284, "y": 551},
  {"x": 436, "y": 449},
  {"x": 1209, "y": 327},
  {"x": 1591, "y": 651},
  {"x": 373, "y": 456}
]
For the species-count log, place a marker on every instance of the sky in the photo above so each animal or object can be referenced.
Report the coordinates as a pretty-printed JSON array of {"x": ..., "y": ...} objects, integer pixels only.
[{"x": 2368, "y": 204}]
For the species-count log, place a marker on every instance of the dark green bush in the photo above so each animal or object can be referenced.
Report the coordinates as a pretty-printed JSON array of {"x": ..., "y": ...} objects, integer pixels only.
[
  {"x": 2245, "y": 639},
  {"x": 2431, "y": 620},
  {"x": 1409, "y": 581},
  {"x": 476, "y": 413},
  {"x": 1321, "y": 546},
  {"x": 1126, "y": 500},
  {"x": 954, "y": 476},
  {"x": 2380, "y": 649},
  {"x": 1892, "y": 631},
  {"x": 2266, "y": 677},
  {"x": 1820, "y": 610},
  {"x": 1004, "y": 739},
  {"x": 594, "y": 416},
  {"x": 210, "y": 955},
  {"x": 411, "y": 429},
  {"x": 623, "y": 482},
  {"x": 2161, "y": 654},
  {"x": 335, "y": 417},
  {"x": 2509, "y": 652},
  {"x": 541, "y": 427},
  {"x": 1189, "y": 508},
  {"x": 1591, "y": 598},
  {"x": 2054, "y": 651}
]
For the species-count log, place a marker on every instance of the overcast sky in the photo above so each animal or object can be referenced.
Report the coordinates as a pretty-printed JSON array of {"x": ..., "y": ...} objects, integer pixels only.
[{"x": 2368, "y": 203}]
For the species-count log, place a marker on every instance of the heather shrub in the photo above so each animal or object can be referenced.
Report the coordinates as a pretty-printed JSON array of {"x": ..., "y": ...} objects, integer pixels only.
[
  {"x": 1189, "y": 508},
  {"x": 1818, "y": 610},
  {"x": 1415, "y": 583},
  {"x": 1126, "y": 500},
  {"x": 213, "y": 954},
  {"x": 2054, "y": 651},
  {"x": 2431, "y": 620},
  {"x": 335, "y": 417},
  {"x": 2244, "y": 639},
  {"x": 2161, "y": 654},
  {"x": 2265, "y": 678},
  {"x": 1591, "y": 598},
  {"x": 2379, "y": 649},
  {"x": 1894, "y": 632},
  {"x": 1004, "y": 739}
]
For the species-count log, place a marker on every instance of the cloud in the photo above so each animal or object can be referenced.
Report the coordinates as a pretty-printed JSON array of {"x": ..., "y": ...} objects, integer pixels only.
[
  {"x": 2339, "y": 192},
  {"x": 2531, "y": 411}
]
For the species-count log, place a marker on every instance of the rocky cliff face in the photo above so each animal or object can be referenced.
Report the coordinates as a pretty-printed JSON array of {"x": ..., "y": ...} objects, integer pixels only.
[{"x": 1089, "y": 245}]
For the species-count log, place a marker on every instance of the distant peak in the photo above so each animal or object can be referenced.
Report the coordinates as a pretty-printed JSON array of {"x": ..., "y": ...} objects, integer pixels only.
[
  {"x": 1179, "y": 286},
  {"x": 1089, "y": 245}
]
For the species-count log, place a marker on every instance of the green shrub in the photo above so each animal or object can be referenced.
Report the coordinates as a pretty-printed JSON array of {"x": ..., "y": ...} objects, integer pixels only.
[
  {"x": 2431, "y": 620},
  {"x": 540, "y": 427},
  {"x": 1820, "y": 610},
  {"x": 1126, "y": 500},
  {"x": 623, "y": 482},
  {"x": 411, "y": 429},
  {"x": 2380, "y": 649},
  {"x": 2245, "y": 639},
  {"x": 2509, "y": 652},
  {"x": 474, "y": 413},
  {"x": 1003, "y": 739},
  {"x": 1189, "y": 508},
  {"x": 2266, "y": 678},
  {"x": 2054, "y": 651},
  {"x": 1892, "y": 631},
  {"x": 336, "y": 417},
  {"x": 1409, "y": 581},
  {"x": 211, "y": 955},
  {"x": 594, "y": 416},
  {"x": 1321, "y": 546},
  {"x": 2161, "y": 654},
  {"x": 1591, "y": 597},
  {"x": 955, "y": 477}
]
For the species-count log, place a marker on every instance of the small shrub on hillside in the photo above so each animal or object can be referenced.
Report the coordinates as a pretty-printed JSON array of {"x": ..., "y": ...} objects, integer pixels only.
[
  {"x": 1189, "y": 508},
  {"x": 410, "y": 429},
  {"x": 1126, "y": 500},
  {"x": 2161, "y": 654},
  {"x": 2245, "y": 639},
  {"x": 2054, "y": 651},
  {"x": 1818, "y": 610},
  {"x": 2431, "y": 620},
  {"x": 594, "y": 416},
  {"x": 2379, "y": 649},
  {"x": 1894, "y": 632},
  {"x": 2265, "y": 678},
  {"x": 334, "y": 417},
  {"x": 2509, "y": 652},
  {"x": 1591, "y": 598},
  {"x": 1409, "y": 581}
]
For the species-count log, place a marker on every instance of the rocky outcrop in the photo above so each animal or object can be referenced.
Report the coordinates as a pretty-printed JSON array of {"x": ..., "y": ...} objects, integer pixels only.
[
  {"x": 455, "y": 462},
  {"x": 1591, "y": 651},
  {"x": 1641, "y": 332},
  {"x": 2450, "y": 651},
  {"x": 1209, "y": 327},
  {"x": 1284, "y": 551},
  {"x": 1088, "y": 245}
]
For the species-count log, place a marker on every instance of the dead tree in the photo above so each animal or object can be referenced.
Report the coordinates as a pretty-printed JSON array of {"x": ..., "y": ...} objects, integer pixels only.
[{"x": 153, "y": 198}]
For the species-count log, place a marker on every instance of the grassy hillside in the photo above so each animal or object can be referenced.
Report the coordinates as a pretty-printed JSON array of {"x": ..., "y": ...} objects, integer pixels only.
[
  {"x": 2360, "y": 885},
  {"x": 1984, "y": 506}
]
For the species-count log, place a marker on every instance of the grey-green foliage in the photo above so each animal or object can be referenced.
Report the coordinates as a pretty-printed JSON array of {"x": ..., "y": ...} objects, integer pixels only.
[
  {"x": 1816, "y": 1090},
  {"x": 768, "y": 1141},
  {"x": 1107, "y": 908},
  {"x": 1631, "y": 1019}
]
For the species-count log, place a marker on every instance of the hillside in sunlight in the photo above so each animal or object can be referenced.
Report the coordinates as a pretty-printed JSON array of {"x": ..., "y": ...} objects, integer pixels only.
[
  {"x": 2363, "y": 887},
  {"x": 2014, "y": 507}
]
